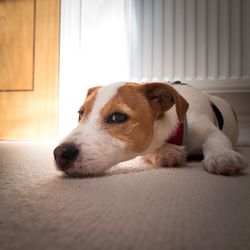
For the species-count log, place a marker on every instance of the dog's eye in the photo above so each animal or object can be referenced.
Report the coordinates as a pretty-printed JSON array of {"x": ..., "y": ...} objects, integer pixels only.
[
  {"x": 80, "y": 112},
  {"x": 117, "y": 118}
]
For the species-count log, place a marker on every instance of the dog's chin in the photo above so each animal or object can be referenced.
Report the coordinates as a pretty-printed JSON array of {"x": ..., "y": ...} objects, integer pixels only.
[
  {"x": 75, "y": 174},
  {"x": 80, "y": 171}
]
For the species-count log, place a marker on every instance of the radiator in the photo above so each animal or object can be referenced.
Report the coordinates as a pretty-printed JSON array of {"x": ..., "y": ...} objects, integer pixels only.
[{"x": 203, "y": 41}]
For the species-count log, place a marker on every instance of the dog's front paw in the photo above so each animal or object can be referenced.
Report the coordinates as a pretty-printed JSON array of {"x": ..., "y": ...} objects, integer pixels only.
[
  {"x": 227, "y": 162},
  {"x": 173, "y": 156}
]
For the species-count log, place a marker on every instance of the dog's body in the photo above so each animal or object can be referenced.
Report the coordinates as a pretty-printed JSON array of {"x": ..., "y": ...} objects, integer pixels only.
[{"x": 123, "y": 120}]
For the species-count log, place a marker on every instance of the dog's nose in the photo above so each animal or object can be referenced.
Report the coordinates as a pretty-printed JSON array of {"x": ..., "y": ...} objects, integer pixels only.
[{"x": 65, "y": 154}]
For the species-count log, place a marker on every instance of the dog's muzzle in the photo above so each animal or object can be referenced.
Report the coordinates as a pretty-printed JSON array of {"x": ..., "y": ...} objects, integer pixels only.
[{"x": 65, "y": 155}]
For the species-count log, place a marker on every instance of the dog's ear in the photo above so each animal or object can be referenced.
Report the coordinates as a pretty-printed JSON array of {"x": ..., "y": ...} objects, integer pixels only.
[{"x": 162, "y": 97}]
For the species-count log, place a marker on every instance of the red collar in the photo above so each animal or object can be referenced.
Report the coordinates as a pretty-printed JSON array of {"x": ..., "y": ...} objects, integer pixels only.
[{"x": 177, "y": 137}]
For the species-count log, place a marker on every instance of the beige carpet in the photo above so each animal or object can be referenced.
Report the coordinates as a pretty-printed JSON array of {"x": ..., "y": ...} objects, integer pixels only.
[{"x": 184, "y": 208}]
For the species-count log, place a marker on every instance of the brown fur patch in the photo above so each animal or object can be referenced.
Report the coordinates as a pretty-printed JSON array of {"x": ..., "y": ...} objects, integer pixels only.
[
  {"x": 88, "y": 103},
  {"x": 143, "y": 104},
  {"x": 137, "y": 131},
  {"x": 162, "y": 97}
]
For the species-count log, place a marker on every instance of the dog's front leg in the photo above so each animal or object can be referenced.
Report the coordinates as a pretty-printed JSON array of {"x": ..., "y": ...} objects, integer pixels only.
[
  {"x": 168, "y": 155},
  {"x": 219, "y": 156}
]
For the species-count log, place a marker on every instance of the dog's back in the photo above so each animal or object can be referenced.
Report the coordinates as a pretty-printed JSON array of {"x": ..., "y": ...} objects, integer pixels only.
[{"x": 201, "y": 113}]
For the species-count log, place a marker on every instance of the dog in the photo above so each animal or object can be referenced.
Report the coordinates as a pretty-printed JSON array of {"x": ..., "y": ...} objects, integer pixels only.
[{"x": 123, "y": 120}]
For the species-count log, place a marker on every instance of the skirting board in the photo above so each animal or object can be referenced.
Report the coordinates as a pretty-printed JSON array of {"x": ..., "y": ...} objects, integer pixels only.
[{"x": 222, "y": 85}]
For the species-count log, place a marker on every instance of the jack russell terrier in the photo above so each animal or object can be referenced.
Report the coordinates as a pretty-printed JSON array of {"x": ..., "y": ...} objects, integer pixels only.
[{"x": 124, "y": 120}]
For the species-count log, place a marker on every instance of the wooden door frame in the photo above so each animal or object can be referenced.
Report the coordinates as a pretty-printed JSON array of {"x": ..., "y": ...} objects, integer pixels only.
[{"x": 39, "y": 104}]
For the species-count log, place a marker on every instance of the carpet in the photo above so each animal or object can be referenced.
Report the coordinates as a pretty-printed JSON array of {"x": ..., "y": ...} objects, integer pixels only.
[{"x": 178, "y": 208}]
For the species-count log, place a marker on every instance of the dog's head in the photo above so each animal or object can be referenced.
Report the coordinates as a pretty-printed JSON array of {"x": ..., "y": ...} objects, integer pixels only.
[{"x": 117, "y": 122}]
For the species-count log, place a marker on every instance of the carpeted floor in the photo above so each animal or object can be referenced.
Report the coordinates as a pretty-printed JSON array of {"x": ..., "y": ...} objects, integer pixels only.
[{"x": 180, "y": 208}]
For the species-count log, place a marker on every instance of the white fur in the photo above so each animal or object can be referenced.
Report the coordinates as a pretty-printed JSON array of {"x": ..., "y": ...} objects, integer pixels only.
[
  {"x": 161, "y": 131},
  {"x": 204, "y": 135},
  {"x": 99, "y": 150},
  {"x": 103, "y": 96}
]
